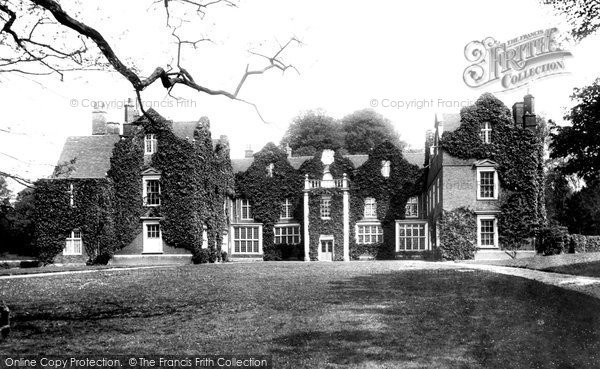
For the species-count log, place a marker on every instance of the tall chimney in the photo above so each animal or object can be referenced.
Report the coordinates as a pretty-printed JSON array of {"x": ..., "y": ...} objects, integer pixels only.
[
  {"x": 131, "y": 113},
  {"x": 249, "y": 153},
  {"x": 98, "y": 122},
  {"x": 288, "y": 150},
  {"x": 529, "y": 119},
  {"x": 113, "y": 128},
  {"x": 517, "y": 111}
]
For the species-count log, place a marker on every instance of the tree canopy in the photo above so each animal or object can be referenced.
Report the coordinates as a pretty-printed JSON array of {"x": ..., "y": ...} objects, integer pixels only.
[
  {"x": 583, "y": 15},
  {"x": 579, "y": 143},
  {"x": 356, "y": 133},
  {"x": 365, "y": 129},
  {"x": 313, "y": 131}
]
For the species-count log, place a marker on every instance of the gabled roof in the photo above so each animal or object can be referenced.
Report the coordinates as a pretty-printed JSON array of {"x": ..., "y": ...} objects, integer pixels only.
[
  {"x": 91, "y": 154},
  {"x": 450, "y": 122},
  {"x": 241, "y": 165},
  {"x": 485, "y": 163}
]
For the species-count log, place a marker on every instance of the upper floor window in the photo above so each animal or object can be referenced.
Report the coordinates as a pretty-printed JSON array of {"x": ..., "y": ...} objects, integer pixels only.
[
  {"x": 325, "y": 207},
  {"x": 286, "y": 209},
  {"x": 74, "y": 244},
  {"x": 370, "y": 210},
  {"x": 151, "y": 191},
  {"x": 150, "y": 144},
  {"x": 385, "y": 168},
  {"x": 270, "y": 168},
  {"x": 412, "y": 208},
  {"x": 71, "y": 195},
  {"x": 246, "y": 210},
  {"x": 485, "y": 132},
  {"x": 487, "y": 184}
]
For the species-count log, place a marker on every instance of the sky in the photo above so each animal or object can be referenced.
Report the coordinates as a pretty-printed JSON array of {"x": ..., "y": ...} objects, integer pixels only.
[{"x": 388, "y": 55}]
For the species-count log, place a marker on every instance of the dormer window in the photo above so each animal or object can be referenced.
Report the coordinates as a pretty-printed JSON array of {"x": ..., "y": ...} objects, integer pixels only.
[
  {"x": 370, "y": 210},
  {"x": 150, "y": 144},
  {"x": 412, "y": 208},
  {"x": 286, "y": 209},
  {"x": 270, "y": 168},
  {"x": 246, "y": 210},
  {"x": 385, "y": 168},
  {"x": 485, "y": 132}
]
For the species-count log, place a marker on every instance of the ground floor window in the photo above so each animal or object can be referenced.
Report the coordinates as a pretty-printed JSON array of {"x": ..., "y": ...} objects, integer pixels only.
[
  {"x": 487, "y": 231},
  {"x": 369, "y": 234},
  {"x": 287, "y": 234},
  {"x": 74, "y": 246},
  {"x": 411, "y": 236},
  {"x": 246, "y": 239}
]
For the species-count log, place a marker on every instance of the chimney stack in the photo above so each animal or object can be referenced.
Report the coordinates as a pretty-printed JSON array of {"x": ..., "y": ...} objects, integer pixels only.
[
  {"x": 517, "y": 111},
  {"x": 113, "y": 128},
  {"x": 288, "y": 150},
  {"x": 131, "y": 113},
  {"x": 98, "y": 122},
  {"x": 249, "y": 153},
  {"x": 529, "y": 119}
]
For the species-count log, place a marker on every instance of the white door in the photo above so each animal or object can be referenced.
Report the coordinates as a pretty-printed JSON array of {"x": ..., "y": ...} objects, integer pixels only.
[
  {"x": 326, "y": 249},
  {"x": 152, "y": 238}
]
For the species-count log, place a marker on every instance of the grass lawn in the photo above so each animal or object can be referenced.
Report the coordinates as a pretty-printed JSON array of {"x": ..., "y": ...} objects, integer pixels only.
[
  {"x": 316, "y": 315},
  {"x": 590, "y": 269}
]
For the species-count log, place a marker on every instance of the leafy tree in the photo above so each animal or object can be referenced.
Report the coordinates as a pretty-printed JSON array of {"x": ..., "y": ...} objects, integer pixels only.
[
  {"x": 579, "y": 143},
  {"x": 366, "y": 129},
  {"x": 313, "y": 131},
  {"x": 6, "y": 211},
  {"x": 584, "y": 209},
  {"x": 22, "y": 225},
  {"x": 583, "y": 15}
]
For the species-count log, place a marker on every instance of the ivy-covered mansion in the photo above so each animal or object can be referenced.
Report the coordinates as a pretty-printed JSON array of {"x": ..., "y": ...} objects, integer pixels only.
[{"x": 157, "y": 191}]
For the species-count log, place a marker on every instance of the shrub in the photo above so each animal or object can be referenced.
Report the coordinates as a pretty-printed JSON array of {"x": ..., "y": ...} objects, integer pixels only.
[
  {"x": 201, "y": 257},
  {"x": 224, "y": 256},
  {"x": 583, "y": 243},
  {"x": 283, "y": 252},
  {"x": 552, "y": 240}
]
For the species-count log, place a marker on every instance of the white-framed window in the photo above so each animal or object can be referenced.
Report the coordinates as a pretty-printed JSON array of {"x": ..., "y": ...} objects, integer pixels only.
[
  {"x": 287, "y": 234},
  {"x": 153, "y": 230},
  {"x": 270, "y": 168},
  {"x": 286, "y": 210},
  {"x": 150, "y": 143},
  {"x": 370, "y": 210},
  {"x": 485, "y": 132},
  {"x": 411, "y": 236},
  {"x": 487, "y": 231},
  {"x": 325, "y": 207},
  {"x": 151, "y": 190},
  {"x": 439, "y": 191},
  {"x": 412, "y": 207},
  {"x": 385, "y": 168},
  {"x": 369, "y": 233},
  {"x": 71, "y": 195},
  {"x": 74, "y": 245},
  {"x": 246, "y": 208},
  {"x": 247, "y": 239},
  {"x": 487, "y": 183}
]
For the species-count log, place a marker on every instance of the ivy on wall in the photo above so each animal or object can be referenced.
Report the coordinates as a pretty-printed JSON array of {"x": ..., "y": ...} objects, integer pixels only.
[
  {"x": 390, "y": 193},
  {"x": 195, "y": 179},
  {"x": 519, "y": 154},
  {"x": 335, "y": 225},
  {"x": 458, "y": 234},
  {"x": 267, "y": 189},
  {"x": 92, "y": 214}
]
